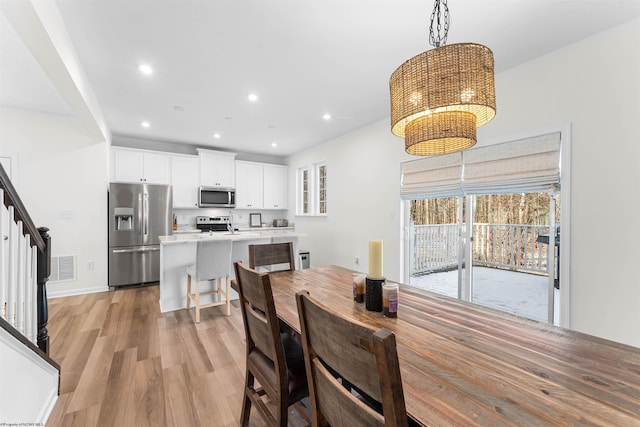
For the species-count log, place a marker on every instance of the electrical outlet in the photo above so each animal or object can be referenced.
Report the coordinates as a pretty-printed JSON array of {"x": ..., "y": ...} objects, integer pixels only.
[
  {"x": 357, "y": 260},
  {"x": 90, "y": 265},
  {"x": 66, "y": 214}
]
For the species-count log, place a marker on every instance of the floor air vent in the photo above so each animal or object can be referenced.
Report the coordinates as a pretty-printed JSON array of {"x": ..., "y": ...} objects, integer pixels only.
[{"x": 63, "y": 268}]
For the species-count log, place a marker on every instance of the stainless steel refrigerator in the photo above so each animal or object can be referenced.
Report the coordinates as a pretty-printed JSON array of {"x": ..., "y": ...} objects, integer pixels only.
[{"x": 138, "y": 215}]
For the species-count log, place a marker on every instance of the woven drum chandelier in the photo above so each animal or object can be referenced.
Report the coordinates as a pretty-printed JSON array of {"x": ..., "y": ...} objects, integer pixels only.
[{"x": 440, "y": 97}]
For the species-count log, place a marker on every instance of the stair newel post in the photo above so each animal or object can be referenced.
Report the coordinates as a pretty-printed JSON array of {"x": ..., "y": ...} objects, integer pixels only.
[{"x": 44, "y": 271}]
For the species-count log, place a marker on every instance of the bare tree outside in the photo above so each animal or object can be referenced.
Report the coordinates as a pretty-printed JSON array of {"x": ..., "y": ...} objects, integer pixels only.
[{"x": 523, "y": 208}]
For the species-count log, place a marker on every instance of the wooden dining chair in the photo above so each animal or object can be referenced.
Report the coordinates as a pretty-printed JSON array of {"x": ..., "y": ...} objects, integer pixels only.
[
  {"x": 272, "y": 254},
  {"x": 352, "y": 369},
  {"x": 273, "y": 358},
  {"x": 213, "y": 263}
]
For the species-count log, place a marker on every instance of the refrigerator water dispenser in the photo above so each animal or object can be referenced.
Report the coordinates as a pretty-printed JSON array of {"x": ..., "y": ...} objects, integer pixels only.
[{"x": 124, "y": 218}]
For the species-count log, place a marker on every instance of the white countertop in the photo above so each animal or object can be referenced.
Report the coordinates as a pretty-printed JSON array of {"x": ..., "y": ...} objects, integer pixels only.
[
  {"x": 191, "y": 230},
  {"x": 260, "y": 233}
]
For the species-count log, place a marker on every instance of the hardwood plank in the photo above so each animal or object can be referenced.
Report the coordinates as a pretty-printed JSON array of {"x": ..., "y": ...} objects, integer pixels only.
[
  {"x": 148, "y": 393},
  {"x": 74, "y": 363},
  {"x": 95, "y": 317},
  {"x": 91, "y": 386},
  {"x": 179, "y": 398},
  {"x": 83, "y": 417},
  {"x": 117, "y": 407}
]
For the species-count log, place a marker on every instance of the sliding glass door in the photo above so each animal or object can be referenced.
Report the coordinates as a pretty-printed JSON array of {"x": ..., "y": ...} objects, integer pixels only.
[
  {"x": 490, "y": 249},
  {"x": 502, "y": 223},
  {"x": 437, "y": 262},
  {"x": 510, "y": 255}
]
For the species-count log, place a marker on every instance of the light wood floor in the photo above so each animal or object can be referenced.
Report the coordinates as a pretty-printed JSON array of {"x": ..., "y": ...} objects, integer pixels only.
[{"x": 123, "y": 363}]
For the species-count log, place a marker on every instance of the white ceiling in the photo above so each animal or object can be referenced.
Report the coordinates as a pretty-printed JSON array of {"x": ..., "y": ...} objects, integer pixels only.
[{"x": 303, "y": 58}]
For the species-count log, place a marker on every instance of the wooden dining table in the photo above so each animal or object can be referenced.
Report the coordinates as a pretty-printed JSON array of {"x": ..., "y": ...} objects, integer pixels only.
[{"x": 463, "y": 364}]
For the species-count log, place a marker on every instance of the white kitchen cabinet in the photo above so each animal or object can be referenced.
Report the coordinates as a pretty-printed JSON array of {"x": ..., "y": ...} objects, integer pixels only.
[
  {"x": 217, "y": 169},
  {"x": 130, "y": 165},
  {"x": 185, "y": 179},
  {"x": 249, "y": 185},
  {"x": 275, "y": 179}
]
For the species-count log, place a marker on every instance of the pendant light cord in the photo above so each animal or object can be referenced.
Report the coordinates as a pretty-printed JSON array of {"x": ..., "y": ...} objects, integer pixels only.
[{"x": 439, "y": 17}]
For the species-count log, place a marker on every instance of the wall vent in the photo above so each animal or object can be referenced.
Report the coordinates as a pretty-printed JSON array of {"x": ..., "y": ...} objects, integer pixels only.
[{"x": 63, "y": 268}]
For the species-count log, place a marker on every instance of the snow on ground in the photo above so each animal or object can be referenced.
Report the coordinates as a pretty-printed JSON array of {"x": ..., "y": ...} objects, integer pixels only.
[{"x": 523, "y": 294}]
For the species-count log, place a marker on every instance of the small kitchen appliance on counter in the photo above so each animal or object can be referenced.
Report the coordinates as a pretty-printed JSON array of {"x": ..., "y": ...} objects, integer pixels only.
[{"x": 280, "y": 223}]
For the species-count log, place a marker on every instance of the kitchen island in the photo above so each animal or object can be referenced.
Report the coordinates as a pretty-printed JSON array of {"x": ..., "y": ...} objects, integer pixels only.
[{"x": 179, "y": 251}]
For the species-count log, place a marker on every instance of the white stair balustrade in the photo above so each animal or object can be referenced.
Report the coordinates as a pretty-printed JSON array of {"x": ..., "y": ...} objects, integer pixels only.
[
  {"x": 20, "y": 271},
  {"x": 12, "y": 285},
  {"x": 32, "y": 299},
  {"x": 18, "y": 275}
]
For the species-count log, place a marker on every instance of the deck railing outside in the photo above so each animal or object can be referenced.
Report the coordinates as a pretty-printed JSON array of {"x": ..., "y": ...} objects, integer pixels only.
[{"x": 508, "y": 246}]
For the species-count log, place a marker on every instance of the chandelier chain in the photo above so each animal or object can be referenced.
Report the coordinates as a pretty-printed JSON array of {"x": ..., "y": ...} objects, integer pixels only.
[{"x": 439, "y": 17}]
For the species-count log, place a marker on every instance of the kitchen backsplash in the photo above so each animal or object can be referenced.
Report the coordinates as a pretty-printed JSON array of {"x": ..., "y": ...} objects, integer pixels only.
[{"x": 187, "y": 217}]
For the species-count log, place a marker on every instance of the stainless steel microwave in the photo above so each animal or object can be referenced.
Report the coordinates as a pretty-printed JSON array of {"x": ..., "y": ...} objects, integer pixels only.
[{"x": 216, "y": 197}]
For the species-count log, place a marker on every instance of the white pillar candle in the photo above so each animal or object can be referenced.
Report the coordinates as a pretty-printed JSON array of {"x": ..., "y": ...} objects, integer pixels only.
[{"x": 375, "y": 259}]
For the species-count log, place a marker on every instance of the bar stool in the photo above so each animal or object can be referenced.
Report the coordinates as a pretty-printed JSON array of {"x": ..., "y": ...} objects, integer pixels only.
[{"x": 213, "y": 262}]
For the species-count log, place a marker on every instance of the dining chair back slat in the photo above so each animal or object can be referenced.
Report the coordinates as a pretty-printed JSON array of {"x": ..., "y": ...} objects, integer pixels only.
[
  {"x": 352, "y": 369},
  {"x": 272, "y": 254}
]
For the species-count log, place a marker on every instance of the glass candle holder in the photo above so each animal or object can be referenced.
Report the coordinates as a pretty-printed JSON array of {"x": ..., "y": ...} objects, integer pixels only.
[
  {"x": 390, "y": 300},
  {"x": 358, "y": 287}
]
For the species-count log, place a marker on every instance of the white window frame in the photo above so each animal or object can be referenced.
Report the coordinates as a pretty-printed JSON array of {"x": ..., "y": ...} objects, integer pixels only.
[
  {"x": 313, "y": 188},
  {"x": 300, "y": 191},
  {"x": 316, "y": 180}
]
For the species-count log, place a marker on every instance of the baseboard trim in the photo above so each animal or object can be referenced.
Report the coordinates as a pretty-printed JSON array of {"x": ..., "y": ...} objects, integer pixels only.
[{"x": 74, "y": 292}]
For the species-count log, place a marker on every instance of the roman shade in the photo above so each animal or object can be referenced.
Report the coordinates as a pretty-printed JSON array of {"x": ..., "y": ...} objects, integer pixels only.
[
  {"x": 432, "y": 177},
  {"x": 524, "y": 166}
]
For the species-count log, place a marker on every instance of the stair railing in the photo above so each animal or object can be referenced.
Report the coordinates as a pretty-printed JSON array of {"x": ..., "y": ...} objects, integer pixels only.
[{"x": 25, "y": 266}]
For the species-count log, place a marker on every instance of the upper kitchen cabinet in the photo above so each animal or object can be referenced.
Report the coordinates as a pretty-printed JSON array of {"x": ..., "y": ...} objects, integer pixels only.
[
  {"x": 249, "y": 185},
  {"x": 217, "y": 169},
  {"x": 275, "y": 186},
  {"x": 185, "y": 180},
  {"x": 130, "y": 165}
]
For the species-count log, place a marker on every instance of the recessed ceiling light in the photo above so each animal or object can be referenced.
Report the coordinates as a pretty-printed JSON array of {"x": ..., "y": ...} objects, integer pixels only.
[
  {"x": 178, "y": 108},
  {"x": 145, "y": 124},
  {"x": 216, "y": 135},
  {"x": 253, "y": 97},
  {"x": 274, "y": 144},
  {"x": 327, "y": 116},
  {"x": 145, "y": 69}
]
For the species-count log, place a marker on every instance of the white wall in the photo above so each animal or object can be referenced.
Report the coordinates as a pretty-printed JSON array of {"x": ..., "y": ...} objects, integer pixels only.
[
  {"x": 594, "y": 85},
  {"x": 363, "y": 173},
  {"x": 62, "y": 169}
]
